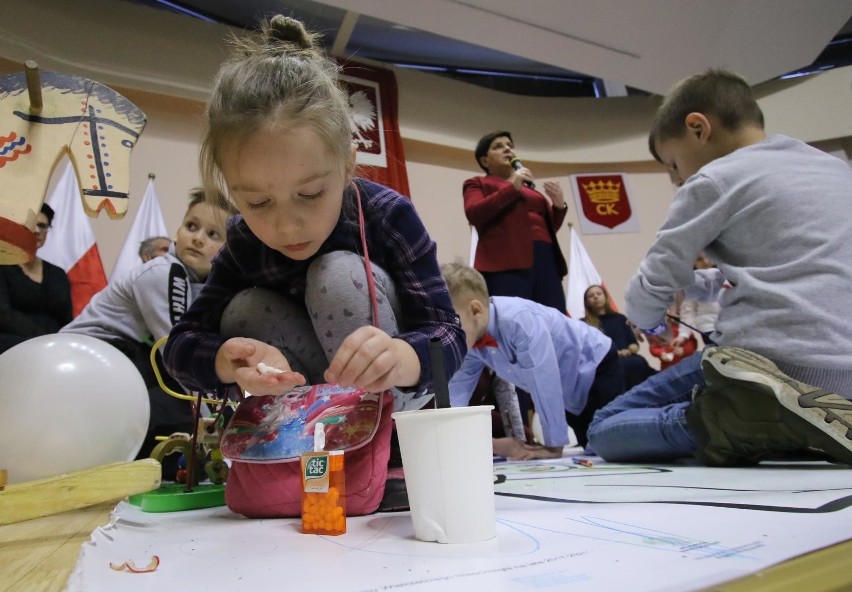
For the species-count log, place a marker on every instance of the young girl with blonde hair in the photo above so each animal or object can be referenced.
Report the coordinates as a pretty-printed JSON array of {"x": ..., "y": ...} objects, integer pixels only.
[{"x": 289, "y": 288}]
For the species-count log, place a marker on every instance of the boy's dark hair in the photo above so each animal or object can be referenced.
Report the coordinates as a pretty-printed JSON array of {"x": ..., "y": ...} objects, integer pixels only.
[
  {"x": 720, "y": 93},
  {"x": 484, "y": 144}
]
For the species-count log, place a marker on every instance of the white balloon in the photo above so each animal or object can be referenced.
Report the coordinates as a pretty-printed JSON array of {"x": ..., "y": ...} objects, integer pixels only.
[{"x": 68, "y": 402}]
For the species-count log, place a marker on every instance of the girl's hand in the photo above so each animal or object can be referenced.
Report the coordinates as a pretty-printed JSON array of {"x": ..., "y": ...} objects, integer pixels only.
[
  {"x": 237, "y": 360},
  {"x": 372, "y": 360}
]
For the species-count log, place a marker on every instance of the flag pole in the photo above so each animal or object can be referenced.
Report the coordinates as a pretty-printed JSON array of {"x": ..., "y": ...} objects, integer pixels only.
[
  {"x": 33, "y": 86},
  {"x": 148, "y": 222}
]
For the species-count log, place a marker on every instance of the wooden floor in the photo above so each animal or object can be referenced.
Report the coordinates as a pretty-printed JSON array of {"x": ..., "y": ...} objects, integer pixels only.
[{"x": 39, "y": 555}]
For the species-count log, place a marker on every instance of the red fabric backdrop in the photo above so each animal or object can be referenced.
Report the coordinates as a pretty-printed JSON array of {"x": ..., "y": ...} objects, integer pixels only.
[{"x": 373, "y": 99}]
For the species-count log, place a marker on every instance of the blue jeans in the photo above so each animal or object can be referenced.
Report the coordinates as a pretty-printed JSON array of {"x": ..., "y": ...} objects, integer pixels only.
[{"x": 648, "y": 422}]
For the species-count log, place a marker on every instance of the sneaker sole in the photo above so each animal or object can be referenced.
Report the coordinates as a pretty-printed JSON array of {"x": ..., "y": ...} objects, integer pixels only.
[{"x": 822, "y": 420}]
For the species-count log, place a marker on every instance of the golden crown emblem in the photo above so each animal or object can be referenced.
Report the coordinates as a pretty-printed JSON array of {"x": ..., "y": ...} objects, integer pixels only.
[{"x": 603, "y": 191}]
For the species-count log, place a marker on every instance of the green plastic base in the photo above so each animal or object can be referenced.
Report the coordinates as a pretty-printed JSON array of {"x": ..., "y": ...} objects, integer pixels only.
[{"x": 173, "y": 498}]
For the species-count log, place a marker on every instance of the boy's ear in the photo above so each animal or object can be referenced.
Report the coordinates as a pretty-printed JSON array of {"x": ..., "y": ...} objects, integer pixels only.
[
  {"x": 698, "y": 126},
  {"x": 476, "y": 307}
]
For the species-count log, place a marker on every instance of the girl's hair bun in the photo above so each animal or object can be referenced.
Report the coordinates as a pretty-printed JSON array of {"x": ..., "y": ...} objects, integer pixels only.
[{"x": 288, "y": 31}]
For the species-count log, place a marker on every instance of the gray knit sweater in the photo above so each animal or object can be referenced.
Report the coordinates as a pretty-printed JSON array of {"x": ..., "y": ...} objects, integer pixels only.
[
  {"x": 776, "y": 217},
  {"x": 142, "y": 305}
]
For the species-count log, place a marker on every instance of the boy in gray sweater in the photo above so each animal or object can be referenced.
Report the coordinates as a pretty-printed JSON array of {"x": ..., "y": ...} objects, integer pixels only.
[
  {"x": 776, "y": 216},
  {"x": 136, "y": 310}
]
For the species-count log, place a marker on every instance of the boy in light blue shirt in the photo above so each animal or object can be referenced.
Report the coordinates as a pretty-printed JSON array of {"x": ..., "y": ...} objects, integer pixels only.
[{"x": 569, "y": 368}]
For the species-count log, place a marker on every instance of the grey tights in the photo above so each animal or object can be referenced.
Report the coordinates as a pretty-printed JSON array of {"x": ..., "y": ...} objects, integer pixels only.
[{"x": 337, "y": 302}]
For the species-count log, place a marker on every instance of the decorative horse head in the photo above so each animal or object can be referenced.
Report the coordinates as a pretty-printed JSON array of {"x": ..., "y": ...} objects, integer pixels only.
[{"x": 93, "y": 124}]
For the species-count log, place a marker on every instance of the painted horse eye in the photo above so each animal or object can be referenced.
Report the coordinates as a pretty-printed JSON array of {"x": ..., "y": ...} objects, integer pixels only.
[{"x": 127, "y": 143}]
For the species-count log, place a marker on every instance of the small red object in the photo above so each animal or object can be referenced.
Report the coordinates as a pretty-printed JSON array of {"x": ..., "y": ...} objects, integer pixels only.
[
  {"x": 131, "y": 567},
  {"x": 485, "y": 341}
]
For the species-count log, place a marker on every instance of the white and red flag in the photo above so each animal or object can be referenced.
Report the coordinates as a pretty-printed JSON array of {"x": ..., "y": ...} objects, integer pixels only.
[
  {"x": 581, "y": 274},
  {"x": 149, "y": 222},
  {"x": 71, "y": 241}
]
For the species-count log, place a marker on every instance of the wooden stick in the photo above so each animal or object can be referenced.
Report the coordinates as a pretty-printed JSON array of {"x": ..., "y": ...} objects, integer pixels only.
[
  {"x": 42, "y": 497},
  {"x": 33, "y": 85},
  {"x": 193, "y": 450}
]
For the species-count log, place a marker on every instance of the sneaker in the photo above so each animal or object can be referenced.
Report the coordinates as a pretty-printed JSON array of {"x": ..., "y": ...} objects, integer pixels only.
[{"x": 751, "y": 411}]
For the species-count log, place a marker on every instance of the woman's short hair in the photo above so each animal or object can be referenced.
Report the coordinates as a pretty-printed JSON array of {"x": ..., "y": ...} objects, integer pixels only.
[{"x": 484, "y": 144}]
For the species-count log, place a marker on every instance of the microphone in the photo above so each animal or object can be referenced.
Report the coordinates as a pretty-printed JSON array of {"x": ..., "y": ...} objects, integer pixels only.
[{"x": 517, "y": 164}]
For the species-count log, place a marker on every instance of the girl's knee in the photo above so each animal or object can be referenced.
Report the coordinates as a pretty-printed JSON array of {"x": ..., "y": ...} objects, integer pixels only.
[
  {"x": 332, "y": 265},
  {"x": 242, "y": 309},
  {"x": 262, "y": 314},
  {"x": 334, "y": 276}
]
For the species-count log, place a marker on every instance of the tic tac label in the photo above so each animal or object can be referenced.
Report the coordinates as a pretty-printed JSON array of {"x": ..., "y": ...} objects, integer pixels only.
[{"x": 315, "y": 472}]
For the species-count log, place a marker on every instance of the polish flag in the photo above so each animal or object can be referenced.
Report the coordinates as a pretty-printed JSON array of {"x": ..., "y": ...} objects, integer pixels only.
[
  {"x": 148, "y": 222},
  {"x": 581, "y": 274},
  {"x": 71, "y": 242}
]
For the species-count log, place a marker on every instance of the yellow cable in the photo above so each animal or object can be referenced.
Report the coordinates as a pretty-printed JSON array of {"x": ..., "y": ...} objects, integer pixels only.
[{"x": 174, "y": 393}]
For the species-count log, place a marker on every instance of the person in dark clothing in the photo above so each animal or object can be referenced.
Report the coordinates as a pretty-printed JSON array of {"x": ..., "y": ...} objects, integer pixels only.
[
  {"x": 35, "y": 297},
  {"x": 599, "y": 313}
]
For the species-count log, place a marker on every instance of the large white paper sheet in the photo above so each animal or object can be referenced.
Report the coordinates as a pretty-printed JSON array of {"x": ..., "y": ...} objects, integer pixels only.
[{"x": 560, "y": 527}]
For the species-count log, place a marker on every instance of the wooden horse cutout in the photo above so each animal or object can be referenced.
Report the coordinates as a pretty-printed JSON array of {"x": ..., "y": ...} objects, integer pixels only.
[{"x": 60, "y": 114}]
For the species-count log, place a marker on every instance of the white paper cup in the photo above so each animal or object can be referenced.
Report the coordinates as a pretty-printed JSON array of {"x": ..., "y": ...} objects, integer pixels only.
[{"x": 449, "y": 475}]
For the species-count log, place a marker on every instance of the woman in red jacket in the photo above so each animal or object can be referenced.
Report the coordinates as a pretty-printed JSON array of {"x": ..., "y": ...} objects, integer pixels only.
[{"x": 517, "y": 252}]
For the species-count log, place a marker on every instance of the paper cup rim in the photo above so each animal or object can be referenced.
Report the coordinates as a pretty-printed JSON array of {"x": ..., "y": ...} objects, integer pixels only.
[{"x": 472, "y": 410}]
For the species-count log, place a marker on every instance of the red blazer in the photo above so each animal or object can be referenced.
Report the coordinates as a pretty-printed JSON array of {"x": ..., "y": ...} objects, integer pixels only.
[{"x": 500, "y": 215}]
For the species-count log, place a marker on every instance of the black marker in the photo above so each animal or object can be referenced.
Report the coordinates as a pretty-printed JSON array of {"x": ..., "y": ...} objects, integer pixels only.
[{"x": 439, "y": 377}]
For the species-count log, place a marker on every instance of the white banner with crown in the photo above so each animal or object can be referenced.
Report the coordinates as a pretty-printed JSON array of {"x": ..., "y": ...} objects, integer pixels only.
[{"x": 603, "y": 203}]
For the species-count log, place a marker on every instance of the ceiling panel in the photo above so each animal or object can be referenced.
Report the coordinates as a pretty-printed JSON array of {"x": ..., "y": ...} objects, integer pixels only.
[
  {"x": 648, "y": 44},
  {"x": 642, "y": 44}
]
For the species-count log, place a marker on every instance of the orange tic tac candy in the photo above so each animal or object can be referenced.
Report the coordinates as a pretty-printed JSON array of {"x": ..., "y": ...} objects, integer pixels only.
[{"x": 323, "y": 493}]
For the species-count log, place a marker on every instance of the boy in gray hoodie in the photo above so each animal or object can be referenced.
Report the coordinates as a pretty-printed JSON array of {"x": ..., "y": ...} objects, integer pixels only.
[
  {"x": 134, "y": 311},
  {"x": 775, "y": 215}
]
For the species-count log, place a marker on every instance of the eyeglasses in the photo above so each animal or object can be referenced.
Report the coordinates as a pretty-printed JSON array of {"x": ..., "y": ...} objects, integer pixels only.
[{"x": 41, "y": 226}]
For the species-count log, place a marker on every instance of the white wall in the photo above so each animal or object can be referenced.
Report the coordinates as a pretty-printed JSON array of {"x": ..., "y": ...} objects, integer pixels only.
[{"x": 165, "y": 65}]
